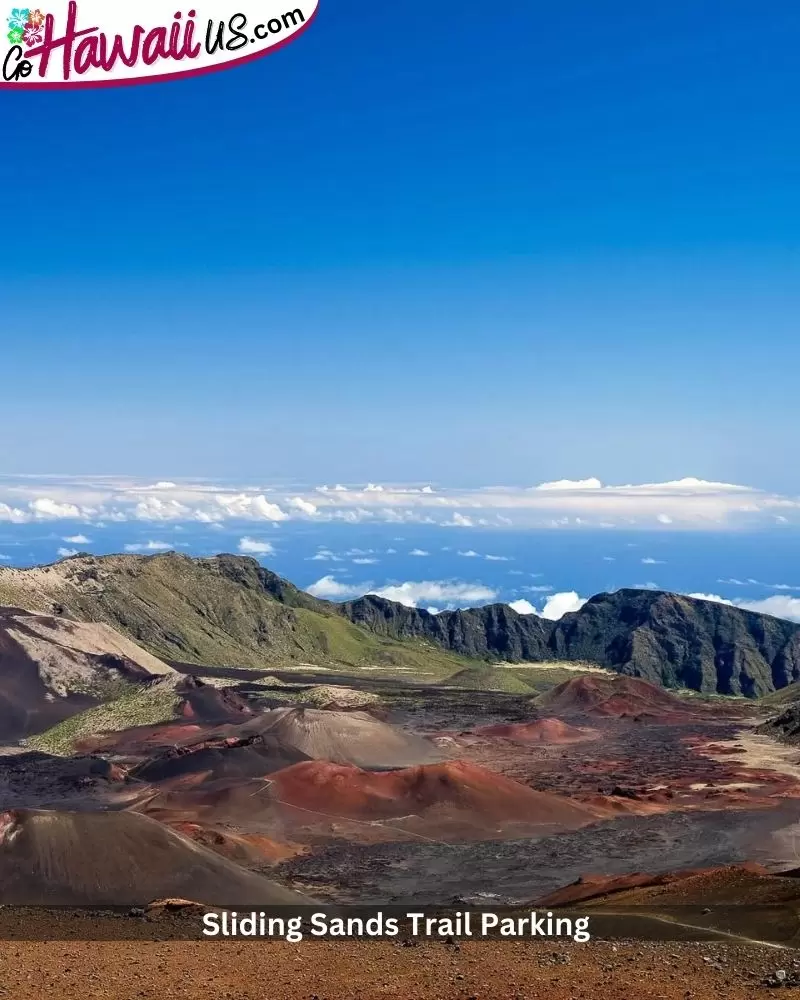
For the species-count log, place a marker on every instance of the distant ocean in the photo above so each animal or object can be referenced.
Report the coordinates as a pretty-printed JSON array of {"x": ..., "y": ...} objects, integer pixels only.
[{"x": 497, "y": 565}]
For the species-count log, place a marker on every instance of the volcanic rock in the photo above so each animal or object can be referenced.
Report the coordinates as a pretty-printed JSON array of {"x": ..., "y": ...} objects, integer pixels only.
[
  {"x": 119, "y": 859},
  {"x": 52, "y": 668},
  {"x": 356, "y": 738},
  {"x": 549, "y": 731}
]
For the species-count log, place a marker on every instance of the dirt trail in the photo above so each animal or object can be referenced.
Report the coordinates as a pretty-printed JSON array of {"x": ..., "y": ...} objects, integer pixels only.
[{"x": 758, "y": 753}]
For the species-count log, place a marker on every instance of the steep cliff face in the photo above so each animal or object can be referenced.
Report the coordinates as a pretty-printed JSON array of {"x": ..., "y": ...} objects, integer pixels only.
[
  {"x": 664, "y": 638},
  {"x": 493, "y": 632},
  {"x": 682, "y": 642}
]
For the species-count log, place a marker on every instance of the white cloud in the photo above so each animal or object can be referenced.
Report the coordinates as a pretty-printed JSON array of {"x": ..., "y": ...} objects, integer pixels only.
[
  {"x": 325, "y": 555},
  {"x": 156, "y": 509},
  {"x": 470, "y": 554},
  {"x": 711, "y": 597},
  {"x": 778, "y": 605},
  {"x": 4, "y": 557},
  {"x": 418, "y": 552},
  {"x": 522, "y": 607},
  {"x": 66, "y": 553},
  {"x": 650, "y": 561},
  {"x": 498, "y": 558},
  {"x": 558, "y": 605},
  {"x": 571, "y": 484},
  {"x": 256, "y": 547},
  {"x": 413, "y": 593},
  {"x": 150, "y": 546},
  {"x": 330, "y": 589},
  {"x": 537, "y": 590},
  {"x": 78, "y": 539},
  {"x": 758, "y": 583},
  {"x": 555, "y": 607},
  {"x": 567, "y": 504},
  {"x": 459, "y": 521},
  {"x": 305, "y": 506},
  {"x": 13, "y": 514},
  {"x": 45, "y": 508},
  {"x": 256, "y": 508},
  {"x": 365, "y": 561}
]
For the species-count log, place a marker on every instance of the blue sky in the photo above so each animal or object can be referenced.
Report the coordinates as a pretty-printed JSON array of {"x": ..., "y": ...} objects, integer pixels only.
[
  {"x": 463, "y": 247},
  {"x": 476, "y": 244}
]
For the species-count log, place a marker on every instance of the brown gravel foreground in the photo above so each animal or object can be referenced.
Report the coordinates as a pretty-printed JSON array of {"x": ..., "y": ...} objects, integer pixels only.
[{"x": 199, "y": 970}]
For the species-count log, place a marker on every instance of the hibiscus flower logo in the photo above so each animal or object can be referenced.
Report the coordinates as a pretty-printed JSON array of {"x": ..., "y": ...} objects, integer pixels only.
[
  {"x": 19, "y": 18},
  {"x": 33, "y": 34},
  {"x": 26, "y": 26}
]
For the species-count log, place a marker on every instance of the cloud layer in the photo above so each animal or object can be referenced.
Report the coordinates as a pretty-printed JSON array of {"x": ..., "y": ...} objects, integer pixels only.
[
  {"x": 779, "y": 605},
  {"x": 411, "y": 593},
  {"x": 682, "y": 504},
  {"x": 256, "y": 547}
]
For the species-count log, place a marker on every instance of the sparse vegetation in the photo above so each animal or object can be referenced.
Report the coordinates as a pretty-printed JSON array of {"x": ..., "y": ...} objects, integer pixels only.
[
  {"x": 490, "y": 678},
  {"x": 226, "y": 611},
  {"x": 138, "y": 707}
]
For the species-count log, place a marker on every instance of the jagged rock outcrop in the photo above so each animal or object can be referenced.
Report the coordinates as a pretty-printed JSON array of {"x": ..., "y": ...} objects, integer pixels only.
[
  {"x": 682, "y": 642},
  {"x": 495, "y": 632},
  {"x": 785, "y": 725}
]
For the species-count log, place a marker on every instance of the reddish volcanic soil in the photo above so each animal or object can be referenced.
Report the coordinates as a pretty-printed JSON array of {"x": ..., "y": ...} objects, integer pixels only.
[
  {"x": 484, "y": 798},
  {"x": 633, "y": 766},
  {"x": 619, "y": 698},
  {"x": 649, "y": 750},
  {"x": 317, "y": 801},
  {"x": 551, "y": 731},
  {"x": 139, "y": 740},
  {"x": 612, "y": 775},
  {"x": 232, "y": 759},
  {"x": 496, "y": 970},
  {"x": 594, "y": 887},
  {"x": 248, "y": 849},
  {"x": 201, "y": 707}
]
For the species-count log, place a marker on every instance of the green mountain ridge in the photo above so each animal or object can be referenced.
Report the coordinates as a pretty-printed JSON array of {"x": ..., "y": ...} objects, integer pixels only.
[
  {"x": 223, "y": 611},
  {"x": 230, "y": 611}
]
